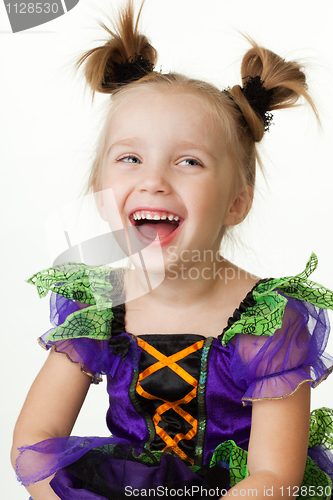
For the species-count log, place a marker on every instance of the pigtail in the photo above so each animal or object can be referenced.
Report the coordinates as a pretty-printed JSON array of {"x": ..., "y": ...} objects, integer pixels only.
[
  {"x": 269, "y": 83},
  {"x": 127, "y": 56}
]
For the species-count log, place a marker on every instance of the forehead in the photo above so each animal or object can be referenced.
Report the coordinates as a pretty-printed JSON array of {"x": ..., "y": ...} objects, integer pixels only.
[{"x": 176, "y": 112}]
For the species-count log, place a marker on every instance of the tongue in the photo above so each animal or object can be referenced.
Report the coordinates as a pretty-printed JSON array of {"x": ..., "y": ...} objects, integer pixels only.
[{"x": 162, "y": 229}]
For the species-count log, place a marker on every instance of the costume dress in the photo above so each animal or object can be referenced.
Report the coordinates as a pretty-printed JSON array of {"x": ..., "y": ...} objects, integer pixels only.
[{"x": 180, "y": 404}]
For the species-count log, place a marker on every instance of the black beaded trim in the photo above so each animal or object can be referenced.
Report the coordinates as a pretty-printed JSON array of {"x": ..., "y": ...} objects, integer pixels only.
[
  {"x": 243, "y": 306},
  {"x": 118, "y": 323}
]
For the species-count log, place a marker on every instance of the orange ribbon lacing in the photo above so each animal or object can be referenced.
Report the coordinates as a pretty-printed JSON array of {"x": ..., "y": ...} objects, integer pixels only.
[{"x": 171, "y": 362}]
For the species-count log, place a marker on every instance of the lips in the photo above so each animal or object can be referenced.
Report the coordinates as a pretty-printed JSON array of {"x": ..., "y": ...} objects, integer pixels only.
[{"x": 155, "y": 224}]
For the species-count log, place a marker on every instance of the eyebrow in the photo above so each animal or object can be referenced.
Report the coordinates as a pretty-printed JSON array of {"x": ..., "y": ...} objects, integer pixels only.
[
  {"x": 125, "y": 142},
  {"x": 197, "y": 146}
]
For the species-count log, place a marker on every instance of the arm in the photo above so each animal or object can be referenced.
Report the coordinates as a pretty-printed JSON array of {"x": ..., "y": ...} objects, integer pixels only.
[
  {"x": 50, "y": 410},
  {"x": 278, "y": 446}
]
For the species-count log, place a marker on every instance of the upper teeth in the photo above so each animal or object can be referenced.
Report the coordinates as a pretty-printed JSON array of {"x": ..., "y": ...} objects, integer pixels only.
[{"x": 145, "y": 214}]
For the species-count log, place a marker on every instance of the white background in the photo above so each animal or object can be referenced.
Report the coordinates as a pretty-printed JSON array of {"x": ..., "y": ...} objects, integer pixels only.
[{"x": 49, "y": 128}]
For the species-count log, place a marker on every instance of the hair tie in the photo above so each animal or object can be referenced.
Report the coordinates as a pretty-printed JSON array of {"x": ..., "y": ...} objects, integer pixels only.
[
  {"x": 259, "y": 98},
  {"x": 129, "y": 71}
]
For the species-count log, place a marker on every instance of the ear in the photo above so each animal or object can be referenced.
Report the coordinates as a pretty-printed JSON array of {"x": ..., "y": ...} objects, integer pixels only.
[
  {"x": 99, "y": 200},
  {"x": 240, "y": 206}
]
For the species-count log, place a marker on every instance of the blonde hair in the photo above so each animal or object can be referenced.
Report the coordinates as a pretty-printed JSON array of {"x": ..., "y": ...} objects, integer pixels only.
[{"x": 242, "y": 126}]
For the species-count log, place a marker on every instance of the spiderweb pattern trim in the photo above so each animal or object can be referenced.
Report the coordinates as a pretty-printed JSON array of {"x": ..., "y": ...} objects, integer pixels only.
[
  {"x": 265, "y": 317},
  {"x": 231, "y": 456},
  {"x": 86, "y": 284},
  {"x": 76, "y": 281},
  {"x": 321, "y": 428},
  {"x": 88, "y": 322},
  {"x": 317, "y": 478}
]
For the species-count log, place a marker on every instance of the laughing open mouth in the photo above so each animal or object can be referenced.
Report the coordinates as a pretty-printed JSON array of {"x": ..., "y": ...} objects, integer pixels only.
[{"x": 155, "y": 224}]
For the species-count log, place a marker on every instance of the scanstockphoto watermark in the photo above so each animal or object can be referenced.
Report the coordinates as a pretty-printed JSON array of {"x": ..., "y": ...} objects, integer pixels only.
[
  {"x": 193, "y": 491},
  {"x": 188, "y": 270}
]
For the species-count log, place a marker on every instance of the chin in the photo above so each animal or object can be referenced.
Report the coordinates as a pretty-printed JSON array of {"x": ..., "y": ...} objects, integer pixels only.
[{"x": 149, "y": 262}]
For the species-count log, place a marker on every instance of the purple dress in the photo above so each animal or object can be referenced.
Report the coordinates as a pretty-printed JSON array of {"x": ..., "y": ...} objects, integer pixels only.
[{"x": 180, "y": 404}]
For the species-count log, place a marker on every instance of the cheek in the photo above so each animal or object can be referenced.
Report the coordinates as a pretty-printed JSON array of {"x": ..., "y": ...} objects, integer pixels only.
[
  {"x": 211, "y": 205},
  {"x": 112, "y": 182},
  {"x": 111, "y": 200},
  {"x": 108, "y": 178},
  {"x": 212, "y": 197},
  {"x": 119, "y": 181}
]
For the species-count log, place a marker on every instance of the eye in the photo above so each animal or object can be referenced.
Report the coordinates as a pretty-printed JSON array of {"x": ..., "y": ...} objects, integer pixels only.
[
  {"x": 191, "y": 162},
  {"x": 129, "y": 159}
]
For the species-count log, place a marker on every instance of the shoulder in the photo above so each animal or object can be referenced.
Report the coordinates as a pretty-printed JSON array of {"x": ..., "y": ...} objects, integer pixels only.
[
  {"x": 239, "y": 280},
  {"x": 236, "y": 286}
]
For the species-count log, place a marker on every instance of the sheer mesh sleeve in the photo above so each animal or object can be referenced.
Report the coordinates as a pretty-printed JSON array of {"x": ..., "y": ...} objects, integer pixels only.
[
  {"x": 90, "y": 353},
  {"x": 273, "y": 367}
]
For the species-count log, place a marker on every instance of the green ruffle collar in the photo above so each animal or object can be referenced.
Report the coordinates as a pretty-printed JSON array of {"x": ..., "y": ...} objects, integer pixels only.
[
  {"x": 76, "y": 281},
  {"x": 92, "y": 285},
  {"x": 265, "y": 316},
  {"x": 85, "y": 284}
]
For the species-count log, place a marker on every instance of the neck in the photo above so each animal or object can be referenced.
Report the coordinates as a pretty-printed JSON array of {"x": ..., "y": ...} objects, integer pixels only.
[{"x": 181, "y": 286}]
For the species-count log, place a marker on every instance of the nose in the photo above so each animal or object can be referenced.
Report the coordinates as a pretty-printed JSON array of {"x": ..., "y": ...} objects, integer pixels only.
[{"x": 155, "y": 179}]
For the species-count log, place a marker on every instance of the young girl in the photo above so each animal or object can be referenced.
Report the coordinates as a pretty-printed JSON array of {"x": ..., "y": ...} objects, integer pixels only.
[{"x": 208, "y": 376}]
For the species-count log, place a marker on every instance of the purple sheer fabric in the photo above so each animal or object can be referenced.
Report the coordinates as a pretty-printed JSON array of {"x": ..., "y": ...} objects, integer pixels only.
[
  {"x": 274, "y": 367},
  {"x": 323, "y": 457},
  {"x": 93, "y": 355},
  {"x": 41, "y": 460}
]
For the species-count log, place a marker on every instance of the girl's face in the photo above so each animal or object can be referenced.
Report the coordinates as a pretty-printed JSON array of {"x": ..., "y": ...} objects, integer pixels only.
[{"x": 170, "y": 173}]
